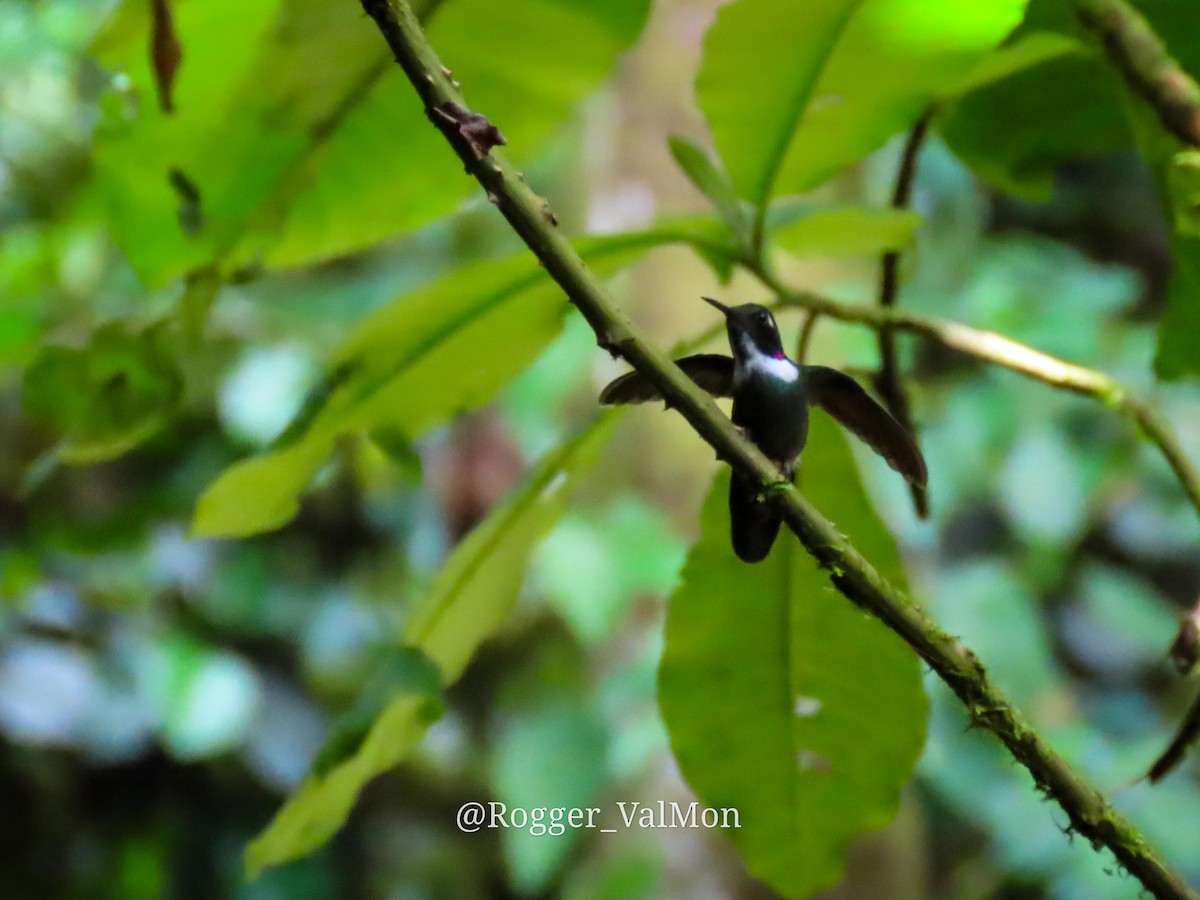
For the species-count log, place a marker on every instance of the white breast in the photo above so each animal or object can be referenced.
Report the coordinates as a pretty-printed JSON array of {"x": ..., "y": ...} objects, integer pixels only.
[{"x": 757, "y": 363}]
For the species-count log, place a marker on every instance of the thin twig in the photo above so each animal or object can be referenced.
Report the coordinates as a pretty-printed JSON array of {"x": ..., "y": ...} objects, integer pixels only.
[
  {"x": 889, "y": 382},
  {"x": 806, "y": 336},
  {"x": 529, "y": 215},
  {"x": 1146, "y": 64}
]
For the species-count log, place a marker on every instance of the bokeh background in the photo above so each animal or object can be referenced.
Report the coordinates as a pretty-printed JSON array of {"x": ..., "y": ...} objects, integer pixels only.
[{"x": 160, "y": 695}]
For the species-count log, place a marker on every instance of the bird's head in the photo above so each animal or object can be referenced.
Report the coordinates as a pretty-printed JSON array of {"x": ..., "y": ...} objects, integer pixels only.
[{"x": 752, "y": 330}]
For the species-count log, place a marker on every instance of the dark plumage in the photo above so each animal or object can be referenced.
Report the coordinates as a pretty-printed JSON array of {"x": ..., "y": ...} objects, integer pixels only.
[{"x": 771, "y": 395}]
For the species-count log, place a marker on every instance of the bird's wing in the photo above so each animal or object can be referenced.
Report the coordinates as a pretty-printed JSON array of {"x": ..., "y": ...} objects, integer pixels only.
[
  {"x": 844, "y": 399},
  {"x": 711, "y": 371}
]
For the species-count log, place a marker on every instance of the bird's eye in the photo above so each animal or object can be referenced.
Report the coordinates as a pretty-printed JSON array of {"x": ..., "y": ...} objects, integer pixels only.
[{"x": 764, "y": 317}]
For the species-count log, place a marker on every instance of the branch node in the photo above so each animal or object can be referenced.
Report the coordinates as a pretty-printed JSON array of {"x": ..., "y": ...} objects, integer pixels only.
[{"x": 471, "y": 128}]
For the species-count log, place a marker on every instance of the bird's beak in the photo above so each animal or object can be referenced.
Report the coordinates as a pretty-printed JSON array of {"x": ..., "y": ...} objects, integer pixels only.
[{"x": 721, "y": 306}]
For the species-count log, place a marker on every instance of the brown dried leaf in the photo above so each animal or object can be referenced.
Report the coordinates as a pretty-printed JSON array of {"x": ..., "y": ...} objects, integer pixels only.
[{"x": 165, "y": 53}]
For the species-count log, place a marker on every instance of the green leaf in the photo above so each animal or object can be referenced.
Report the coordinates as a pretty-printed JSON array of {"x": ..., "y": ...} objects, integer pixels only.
[
  {"x": 761, "y": 62},
  {"x": 472, "y": 596},
  {"x": 1179, "y": 331},
  {"x": 1183, "y": 189},
  {"x": 478, "y": 586},
  {"x": 396, "y": 670},
  {"x": 1015, "y": 132},
  {"x": 794, "y": 92},
  {"x": 850, "y": 231},
  {"x": 180, "y": 188},
  {"x": 1020, "y": 53},
  {"x": 106, "y": 397},
  {"x": 435, "y": 353},
  {"x": 528, "y": 84},
  {"x": 263, "y": 159},
  {"x": 710, "y": 180},
  {"x": 261, "y": 493},
  {"x": 782, "y": 699},
  {"x": 321, "y": 804}
]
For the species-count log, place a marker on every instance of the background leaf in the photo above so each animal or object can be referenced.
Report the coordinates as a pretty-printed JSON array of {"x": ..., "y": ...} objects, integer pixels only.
[
  {"x": 264, "y": 164},
  {"x": 473, "y": 595},
  {"x": 781, "y": 698},
  {"x": 761, "y": 62},
  {"x": 433, "y": 354},
  {"x": 709, "y": 179},
  {"x": 1016, "y": 131},
  {"x": 105, "y": 397},
  {"x": 849, "y": 231},
  {"x": 793, "y": 92}
]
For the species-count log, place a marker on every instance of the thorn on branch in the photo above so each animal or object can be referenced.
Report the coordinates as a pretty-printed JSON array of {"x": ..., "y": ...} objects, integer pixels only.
[
  {"x": 548, "y": 213},
  {"x": 478, "y": 133}
]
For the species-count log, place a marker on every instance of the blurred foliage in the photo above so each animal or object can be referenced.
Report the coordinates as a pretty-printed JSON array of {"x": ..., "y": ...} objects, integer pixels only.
[{"x": 304, "y": 481}]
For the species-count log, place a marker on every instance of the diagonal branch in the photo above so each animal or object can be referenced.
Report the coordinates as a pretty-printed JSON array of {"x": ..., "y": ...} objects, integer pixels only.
[
  {"x": 1145, "y": 63},
  {"x": 999, "y": 350},
  {"x": 889, "y": 382},
  {"x": 529, "y": 215}
]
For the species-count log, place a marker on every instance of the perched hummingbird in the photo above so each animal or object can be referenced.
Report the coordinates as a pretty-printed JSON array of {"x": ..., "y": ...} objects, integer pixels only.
[{"x": 771, "y": 395}]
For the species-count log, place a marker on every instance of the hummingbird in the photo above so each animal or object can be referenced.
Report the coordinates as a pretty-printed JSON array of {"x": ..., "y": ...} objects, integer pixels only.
[{"x": 771, "y": 396}]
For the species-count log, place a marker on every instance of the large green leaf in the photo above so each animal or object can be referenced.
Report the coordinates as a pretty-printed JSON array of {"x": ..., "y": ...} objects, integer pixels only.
[
  {"x": 472, "y": 596},
  {"x": 528, "y": 83},
  {"x": 180, "y": 187},
  {"x": 1016, "y": 131},
  {"x": 793, "y": 92},
  {"x": 782, "y": 699},
  {"x": 761, "y": 62},
  {"x": 411, "y": 366},
  {"x": 294, "y": 136}
]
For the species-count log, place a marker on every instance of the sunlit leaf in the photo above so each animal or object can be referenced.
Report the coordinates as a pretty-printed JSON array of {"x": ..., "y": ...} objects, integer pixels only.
[
  {"x": 263, "y": 159},
  {"x": 794, "y": 92},
  {"x": 260, "y": 493},
  {"x": 782, "y": 699},
  {"x": 1183, "y": 188},
  {"x": 761, "y": 62},
  {"x": 320, "y": 805},
  {"x": 1020, "y": 53},
  {"x": 472, "y": 596}
]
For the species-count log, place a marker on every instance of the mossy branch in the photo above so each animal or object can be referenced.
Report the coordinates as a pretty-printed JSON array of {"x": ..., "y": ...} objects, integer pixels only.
[
  {"x": 530, "y": 216},
  {"x": 1145, "y": 63}
]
